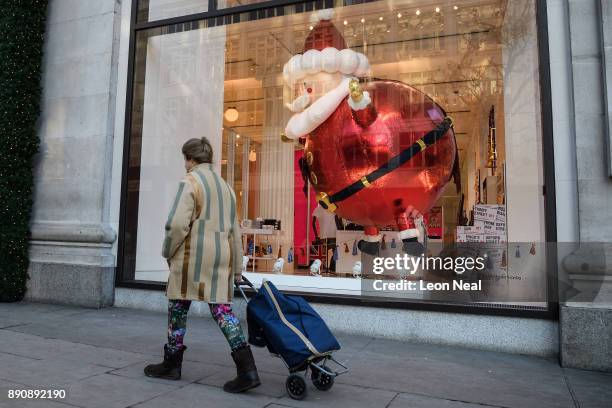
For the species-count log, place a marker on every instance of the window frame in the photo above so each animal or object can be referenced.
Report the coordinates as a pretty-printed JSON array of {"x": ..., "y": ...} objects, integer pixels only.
[{"x": 552, "y": 310}]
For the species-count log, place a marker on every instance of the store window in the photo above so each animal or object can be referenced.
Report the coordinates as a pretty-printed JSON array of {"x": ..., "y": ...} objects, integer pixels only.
[
  {"x": 155, "y": 10},
  {"x": 260, "y": 85}
]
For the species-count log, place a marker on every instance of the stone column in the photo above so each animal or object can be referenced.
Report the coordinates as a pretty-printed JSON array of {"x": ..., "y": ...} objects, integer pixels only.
[
  {"x": 71, "y": 259},
  {"x": 586, "y": 319}
]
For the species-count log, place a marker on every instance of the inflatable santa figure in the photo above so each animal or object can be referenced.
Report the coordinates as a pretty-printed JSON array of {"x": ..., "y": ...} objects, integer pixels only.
[{"x": 378, "y": 152}]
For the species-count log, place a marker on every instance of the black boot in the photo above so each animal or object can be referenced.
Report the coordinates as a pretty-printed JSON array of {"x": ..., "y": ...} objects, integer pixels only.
[
  {"x": 170, "y": 368},
  {"x": 370, "y": 248},
  {"x": 413, "y": 247},
  {"x": 246, "y": 377}
]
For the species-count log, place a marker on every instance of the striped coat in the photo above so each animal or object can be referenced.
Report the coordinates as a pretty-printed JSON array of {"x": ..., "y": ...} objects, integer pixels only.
[{"x": 203, "y": 243}]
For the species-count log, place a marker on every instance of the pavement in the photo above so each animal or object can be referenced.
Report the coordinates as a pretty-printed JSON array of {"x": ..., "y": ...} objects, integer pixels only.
[{"x": 97, "y": 356}]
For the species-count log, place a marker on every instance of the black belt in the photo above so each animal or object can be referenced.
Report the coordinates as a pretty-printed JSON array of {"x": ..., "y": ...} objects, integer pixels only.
[{"x": 329, "y": 202}]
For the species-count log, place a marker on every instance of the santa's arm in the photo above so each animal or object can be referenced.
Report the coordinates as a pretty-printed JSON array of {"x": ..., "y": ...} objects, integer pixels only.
[
  {"x": 362, "y": 108},
  {"x": 305, "y": 122}
]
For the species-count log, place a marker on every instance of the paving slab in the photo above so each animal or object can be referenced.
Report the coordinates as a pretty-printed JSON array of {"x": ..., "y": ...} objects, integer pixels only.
[
  {"x": 278, "y": 406},
  {"x": 342, "y": 395},
  {"x": 470, "y": 357},
  {"x": 351, "y": 344},
  {"x": 103, "y": 356},
  {"x": 133, "y": 331},
  {"x": 191, "y": 372},
  {"x": 412, "y": 400},
  {"x": 111, "y": 391},
  {"x": 205, "y": 396},
  {"x": 100, "y": 328},
  {"x": 592, "y": 389},
  {"x": 37, "y": 347},
  {"x": 38, "y": 312},
  {"x": 272, "y": 385},
  {"x": 40, "y": 403},
  {"x": 55, "y": 372},
  {"x": 6, "y": 322},
  {"x": 31, "y": 346},
  {"x": 456, "y": 380}
]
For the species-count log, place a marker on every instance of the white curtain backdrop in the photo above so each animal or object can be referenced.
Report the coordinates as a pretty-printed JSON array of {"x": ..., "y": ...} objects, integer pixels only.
[{"x": 183, "y": 98}]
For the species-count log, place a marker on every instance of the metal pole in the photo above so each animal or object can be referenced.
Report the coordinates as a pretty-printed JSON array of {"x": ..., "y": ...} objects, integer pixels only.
[
  {"x": 246, "y": 149},
  {"x": 307, "y": 222}
]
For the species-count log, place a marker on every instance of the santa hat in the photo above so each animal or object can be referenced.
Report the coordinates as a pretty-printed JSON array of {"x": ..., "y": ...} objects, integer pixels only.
[{"x": 325, "y": 51}]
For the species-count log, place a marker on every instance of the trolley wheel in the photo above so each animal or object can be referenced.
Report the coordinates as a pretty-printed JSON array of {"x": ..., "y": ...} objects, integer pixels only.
[
  {"x": 322, "y": 380},
  {"x": 296, "y": 386}
]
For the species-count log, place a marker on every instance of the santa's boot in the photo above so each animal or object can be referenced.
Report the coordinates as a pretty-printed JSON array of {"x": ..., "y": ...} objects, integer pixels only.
[
  {"x": 246, "y": 372},
  {"x": 409, "y": 235},
  {"x": 170, "y": 368},
  {"x": 371, "y": 244}
]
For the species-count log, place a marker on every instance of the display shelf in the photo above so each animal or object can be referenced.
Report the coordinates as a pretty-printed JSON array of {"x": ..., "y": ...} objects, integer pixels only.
[
  {"x": 257, "y": 231},
  {"x": 254, "y": 232}
]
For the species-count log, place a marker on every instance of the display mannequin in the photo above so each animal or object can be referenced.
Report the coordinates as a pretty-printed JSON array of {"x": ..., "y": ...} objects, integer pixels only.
[{"x": 325, "y": 233}]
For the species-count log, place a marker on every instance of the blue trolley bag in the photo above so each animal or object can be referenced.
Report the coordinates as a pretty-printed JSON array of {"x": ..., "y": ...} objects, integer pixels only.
[{"x": 289, "y": 327}]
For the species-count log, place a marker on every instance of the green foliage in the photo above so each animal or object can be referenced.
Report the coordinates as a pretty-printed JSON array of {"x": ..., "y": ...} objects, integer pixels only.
[{"x": 22, "y": 28}]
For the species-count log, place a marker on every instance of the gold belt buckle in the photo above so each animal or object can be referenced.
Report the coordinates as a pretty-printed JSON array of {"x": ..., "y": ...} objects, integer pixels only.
[
  {"x": 450, "y": 120},
  {"x": 421, "y": 144},
  {"x": 323, "y": 200}
]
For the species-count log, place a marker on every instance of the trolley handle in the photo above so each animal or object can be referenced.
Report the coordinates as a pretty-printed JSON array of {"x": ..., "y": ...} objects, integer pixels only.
[{"x": 244, "y": 282}]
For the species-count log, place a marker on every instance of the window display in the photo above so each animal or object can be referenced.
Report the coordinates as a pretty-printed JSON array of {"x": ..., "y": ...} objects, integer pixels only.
[{"x": 346, "y": 129}]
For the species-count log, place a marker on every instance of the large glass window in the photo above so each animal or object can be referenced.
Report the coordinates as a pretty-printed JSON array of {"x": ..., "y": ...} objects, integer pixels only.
[{"x": 253, "y": 82}]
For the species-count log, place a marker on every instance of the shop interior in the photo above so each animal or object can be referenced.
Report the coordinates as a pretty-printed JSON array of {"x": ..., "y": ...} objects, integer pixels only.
[{"x": 453, "y": 54}]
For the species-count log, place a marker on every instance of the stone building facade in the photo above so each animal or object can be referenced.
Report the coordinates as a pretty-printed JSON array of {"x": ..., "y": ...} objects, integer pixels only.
[{"x": 74, "y": 249}]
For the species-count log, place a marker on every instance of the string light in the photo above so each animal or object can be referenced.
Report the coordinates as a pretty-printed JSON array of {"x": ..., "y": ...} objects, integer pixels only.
[
  {"x": 362, "y": 20},
  {"x": 380, "y": 18},
  {"x": 418, "y": 12},
  {"x": 399, "y": 15},
  {"x": 455, "y": 8},
  {"x": 437, "y": 9},
  {"x": 231, "y": 114},
  {"x": 345, "y": 22}
]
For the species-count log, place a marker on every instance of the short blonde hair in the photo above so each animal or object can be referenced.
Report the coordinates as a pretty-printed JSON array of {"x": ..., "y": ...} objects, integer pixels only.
[{"x": 198, "y": 150}]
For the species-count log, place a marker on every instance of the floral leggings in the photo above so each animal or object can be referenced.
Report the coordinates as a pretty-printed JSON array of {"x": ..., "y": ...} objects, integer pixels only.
[{"x": 222, "y": 313}]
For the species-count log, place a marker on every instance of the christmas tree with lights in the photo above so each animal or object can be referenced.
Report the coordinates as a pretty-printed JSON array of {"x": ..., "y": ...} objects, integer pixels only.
[{"x": 22, "y": 28}]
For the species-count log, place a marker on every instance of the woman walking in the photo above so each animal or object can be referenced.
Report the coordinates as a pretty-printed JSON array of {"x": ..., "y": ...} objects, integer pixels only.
[{"x": 203, "y": 248}]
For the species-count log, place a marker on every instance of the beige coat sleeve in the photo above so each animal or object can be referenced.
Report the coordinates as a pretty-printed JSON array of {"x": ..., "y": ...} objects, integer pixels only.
[
  {"x": 179, "y": 219},
  {"x": 236, "y": 243}
]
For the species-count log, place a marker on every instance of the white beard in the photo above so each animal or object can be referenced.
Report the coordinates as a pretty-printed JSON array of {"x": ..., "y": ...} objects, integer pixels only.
[{"x": 314, "y": 115}]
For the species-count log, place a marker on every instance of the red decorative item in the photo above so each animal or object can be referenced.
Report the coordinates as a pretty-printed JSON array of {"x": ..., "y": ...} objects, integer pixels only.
[
  {"x": 350, "y": 129},
  {"x": 343, "y": 152}
]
